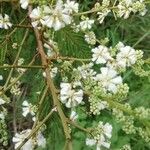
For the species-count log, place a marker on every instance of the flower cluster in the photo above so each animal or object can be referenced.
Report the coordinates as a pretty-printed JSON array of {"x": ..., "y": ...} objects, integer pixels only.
[
  {"x": 101, "y": 136},
  {"x": 125, "y": 8},
  {"x": 28, "y": 108},
  {"x": 70, "y": 95},
  {"x": 122, "y": 8},
  {"x": 57, "y": 17},
  {"x": 24, "y": 3},
  {"x": 90, "y": 38},
  {"x": 15, "y": 89},
  {"x": 125, "y": 56},
  {"x": 5, "y": 22},
  {"x": 20, "y": 62},
  {"x": 38, "y": 140}
]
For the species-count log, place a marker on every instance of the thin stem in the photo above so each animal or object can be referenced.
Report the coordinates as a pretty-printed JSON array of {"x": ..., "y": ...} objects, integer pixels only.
[
  {"x": 78, "y": 126},
  {"x": 22, "y": 26},
  {"x": 50, "y": 83},
  {"x": 70, "y": 59},
  {"x": 142, "y": 38},
  {"x": 14, "y": 115},
  {"x": 91, "y": 11},
  {"x": 13, "y": 31},
  {"x": 22, "y": 66},
  {"x": 16, "y": 59},
  {"x": 40, "y": 105},
  {"x": 20, "y": 75}
]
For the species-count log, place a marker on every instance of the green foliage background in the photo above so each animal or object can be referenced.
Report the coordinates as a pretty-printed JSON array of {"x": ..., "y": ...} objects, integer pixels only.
[{"x": 134, "y": 31}]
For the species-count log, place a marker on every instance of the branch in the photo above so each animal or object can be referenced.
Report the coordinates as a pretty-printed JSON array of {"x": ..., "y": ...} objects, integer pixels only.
[{"x": 50, "y": 83}]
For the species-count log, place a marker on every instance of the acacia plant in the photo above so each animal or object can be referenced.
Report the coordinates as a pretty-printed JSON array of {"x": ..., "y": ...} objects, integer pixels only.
[{"x": 74, "y": 75}]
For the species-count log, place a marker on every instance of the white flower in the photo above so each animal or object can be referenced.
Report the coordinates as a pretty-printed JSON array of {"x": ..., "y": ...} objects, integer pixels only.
[
  {"x": 53, "y": 72},
  {"x": 86, "y": 71},
  {"x": 30, "y": 144},
  {"x": 90, "y": 38},
  {"x": 27, "y": 108},
  {"x": 2, "y": 101},
  {"x": 90, "y": 142},
  {"x": 24, "y": 3},
  {"x": 102, "y": 15},
  {"x": 102, "y": 105},
  {"x": 124, "y": 8},
  {"x": 19, "y": 138},
  {"x": 73, "y": 116},
  {"x": 106, "y": 133},
  {"x": 119, "y": 45},
  {"x": 126, "y": 56},
  {"x": 70, "y": 97},
  {"x": 37, "y": 17},
  {"x": 58, "y": 17},
  {"x": 109, "y": 79},
  {"x": 4, "y": 21},
  {"x": 101, "y": 54},
  {"x": 99, "y": 143},
  {"x": 1, "y": 77},
  {"x": 86, "y": 24},
  {"x": 71, "y": 6},
  {"x": 107, "y": 129},
  {"x": 20, "y": 62},
  {"x": 41, "y": 141}
]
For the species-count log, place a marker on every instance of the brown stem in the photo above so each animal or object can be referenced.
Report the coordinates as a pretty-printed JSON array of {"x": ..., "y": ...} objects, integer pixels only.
[{"x": 50, "y": 83}]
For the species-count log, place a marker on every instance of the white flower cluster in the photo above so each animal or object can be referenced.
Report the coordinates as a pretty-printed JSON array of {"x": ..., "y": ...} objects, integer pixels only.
[
  {"x": 90, "y": 38},
  {"x": 70, "y": 95},
  {"x": 57, "y": 17},
  {"x": 121, "y": 8},
  {"x": 97, "y": 105},
  {"x": 101, "y": 140},
  {"x": 28, "y": 108},
  {"x": 20, "y": 62},
  {"x": 109, "y": 77},
  {"x": 126, "y": 7},
  {"x": 24, "y": 3},
  {"x": 38, "y": 140},
  {"x": 104, "y": 10},
  {"x": 5, "y": 22},
  {"x": 86, "y": 24},
  {"x": 15, "y": 89},
  {"x": 100, "y": 54},
  {"x": 86, "y": 71}
]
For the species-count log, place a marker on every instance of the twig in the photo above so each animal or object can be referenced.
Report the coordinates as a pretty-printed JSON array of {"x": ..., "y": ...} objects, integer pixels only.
[
  {"x": 78, "y": 126},
  {"x": 22, "y": 66},
  {"x": 16, "y": 59},
  {"x": 2, "y": 90}
]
